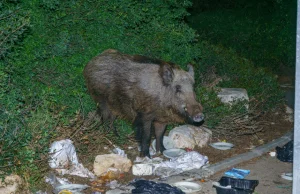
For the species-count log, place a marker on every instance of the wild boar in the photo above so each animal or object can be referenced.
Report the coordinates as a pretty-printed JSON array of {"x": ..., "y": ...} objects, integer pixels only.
[{"x": 149, "y": 93}]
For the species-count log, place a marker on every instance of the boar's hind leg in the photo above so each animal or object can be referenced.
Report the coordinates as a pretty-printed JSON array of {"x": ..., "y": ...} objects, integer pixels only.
[
  {"x": 159, "y": 129},
  {"x": 142, "y": 126},
  {"x": 107, "y": 116}
]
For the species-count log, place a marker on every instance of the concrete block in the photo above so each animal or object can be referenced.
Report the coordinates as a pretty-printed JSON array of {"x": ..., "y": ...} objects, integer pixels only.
[
  {"x": 103, "y": 162},
  {"x": 229, "y": 95}
]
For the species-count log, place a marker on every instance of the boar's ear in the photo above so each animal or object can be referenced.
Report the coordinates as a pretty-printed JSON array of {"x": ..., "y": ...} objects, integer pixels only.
[
  {"x": 166, "y": 74},
  {"x": 191, "y": 70}
]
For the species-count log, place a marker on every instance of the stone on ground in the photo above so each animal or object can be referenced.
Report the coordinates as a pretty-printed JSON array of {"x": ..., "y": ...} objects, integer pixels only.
[{"x": 103, "y": 162}]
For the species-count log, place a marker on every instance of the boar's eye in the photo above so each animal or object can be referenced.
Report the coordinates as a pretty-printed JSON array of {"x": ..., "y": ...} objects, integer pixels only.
[{"x": 178, "y": 88}]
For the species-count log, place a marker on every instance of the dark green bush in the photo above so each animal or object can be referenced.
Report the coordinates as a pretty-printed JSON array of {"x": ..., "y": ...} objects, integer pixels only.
[
  {"x": 14, "y": 23},
  {"x": 41, "y": 76},
  {"x": 261, "y": 31},
  {"x": 237, "y": 72}
]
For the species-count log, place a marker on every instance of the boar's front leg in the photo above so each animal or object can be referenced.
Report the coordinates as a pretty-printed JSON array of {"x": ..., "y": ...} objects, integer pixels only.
[
  {"x": 159, "y": 129},
  {"x": 146, "y": 139},
  {"x": 142, "y": 125},
  {"x": 107, "y": 116}
]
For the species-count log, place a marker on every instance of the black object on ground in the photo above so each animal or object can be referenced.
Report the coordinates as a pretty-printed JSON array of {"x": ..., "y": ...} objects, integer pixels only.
[
  {"x": 285, "y": 154},
  {"x": 238, "y": 186},
  {"x": 151, "y": 187}
]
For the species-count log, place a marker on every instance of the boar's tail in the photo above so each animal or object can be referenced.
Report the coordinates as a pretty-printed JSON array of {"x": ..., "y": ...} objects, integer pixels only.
[{"x": 138, "y": 127}]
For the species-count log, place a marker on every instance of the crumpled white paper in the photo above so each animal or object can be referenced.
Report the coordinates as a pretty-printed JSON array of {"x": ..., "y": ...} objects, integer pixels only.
[
  {"x": 113, "y": 184},
  {"x": 146, "y": 160},
  {"x": 187, "y": 161},
  {"x": 62, "y": 154},
  {"x": 63, "y": 157},
  {"x": 144, "y": 165},
  {"x": 120, "y": 152}
]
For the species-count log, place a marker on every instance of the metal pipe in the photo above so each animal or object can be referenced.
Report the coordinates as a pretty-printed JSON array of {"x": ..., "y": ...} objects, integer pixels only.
[{"x": 296, "y": 159}]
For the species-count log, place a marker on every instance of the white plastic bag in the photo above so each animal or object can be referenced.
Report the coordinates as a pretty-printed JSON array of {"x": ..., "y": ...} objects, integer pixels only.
[
  {"x": 187, "y": 161},
  {"x": 63, "y": 157}
]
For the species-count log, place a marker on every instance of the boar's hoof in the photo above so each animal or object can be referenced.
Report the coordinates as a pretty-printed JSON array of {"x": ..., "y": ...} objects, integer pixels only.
[{"x": 145, "y": 154}]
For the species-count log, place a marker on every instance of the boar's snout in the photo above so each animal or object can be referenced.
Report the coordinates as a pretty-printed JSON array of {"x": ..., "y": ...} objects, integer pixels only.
[
  {"x": 198, "y": 117},
  {"x": 195, "y": 113}
]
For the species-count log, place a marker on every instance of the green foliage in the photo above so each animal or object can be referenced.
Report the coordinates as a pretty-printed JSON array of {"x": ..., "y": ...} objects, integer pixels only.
[
  {"x": 123, "y": 129},
  {"x": 239, "y": 72},
  {"x": 261, "y": 31},
  {"x": 143, "y": 29},
  {"x": 51, "y": 5},
  {"x": 14, "y": 22},
  {"x": 41, "y": 81}
]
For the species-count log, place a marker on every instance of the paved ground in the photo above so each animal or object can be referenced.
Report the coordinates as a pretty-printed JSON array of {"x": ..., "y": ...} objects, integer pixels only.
[{"x": 267, "y": 170}]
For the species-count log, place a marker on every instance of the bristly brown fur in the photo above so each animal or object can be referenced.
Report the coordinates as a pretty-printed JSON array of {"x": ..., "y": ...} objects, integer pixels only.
[{"x": 143, "y": 59}]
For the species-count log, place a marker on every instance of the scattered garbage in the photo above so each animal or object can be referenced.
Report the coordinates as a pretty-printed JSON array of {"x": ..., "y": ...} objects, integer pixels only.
[
  {"x": 64, "y": 186},
  {"x": 115, "y": 191},
  {"x": 167, "y": 141},
  {"x": 173, "y": 153},
  {"x": 272, "y": 154},
  {"x": 289, "y": 116},
  {"x": 120, "y": 152},
  {"x": 227, "y": 185},
  {"x": 142, "y": 169},
  {"x": 103, "y": 162},
  {"x": 145, "y": 166},
  {"x": 111, "y": 174},
  {"x": 117, "y": 188},
  {"x": 237, "y": 173},
  {"x": 108, "y": 181},
  {"x": 146, "y": 160},
  {"x": 151, "y": 187},
  {"x": 287, "y": 176},
  {"x": 221, "y": 145},
  {"x": 77, "y": 170},
  {"x": 110, "y": 167},
  {"x": 188, "y": 136},
  {"x": 63, "y": 155},
  {"x": 187, "y": 187},
  {"x": 113, "y": 184},
  {"x": 187, "y": 161},
  {"x": 285, "y": 154}
]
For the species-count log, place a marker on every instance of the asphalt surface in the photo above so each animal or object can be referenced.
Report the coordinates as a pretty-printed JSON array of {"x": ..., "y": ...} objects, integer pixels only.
[{"x": 266, "y": 169}]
